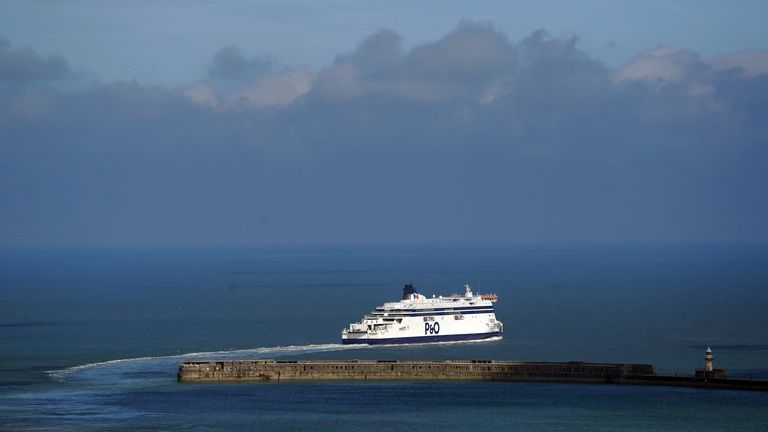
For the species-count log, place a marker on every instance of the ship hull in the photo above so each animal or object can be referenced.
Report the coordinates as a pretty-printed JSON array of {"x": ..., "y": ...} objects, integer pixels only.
[
  {"x": 416, "y": 319},
  {"x": 419, "y": 339}
]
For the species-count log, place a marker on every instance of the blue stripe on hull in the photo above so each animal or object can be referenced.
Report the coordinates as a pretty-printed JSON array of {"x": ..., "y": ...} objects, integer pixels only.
[{"x": 421, "y": 339}]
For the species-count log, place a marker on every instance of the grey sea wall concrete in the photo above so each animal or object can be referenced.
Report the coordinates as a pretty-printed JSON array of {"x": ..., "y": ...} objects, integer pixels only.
[
  {"x": 283, "y": 370},
  {"x": 454, "y": 370}
]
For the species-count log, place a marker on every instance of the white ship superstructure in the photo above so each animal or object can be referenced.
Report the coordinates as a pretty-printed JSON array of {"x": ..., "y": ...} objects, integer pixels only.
[{"x": 418, "y": 319}]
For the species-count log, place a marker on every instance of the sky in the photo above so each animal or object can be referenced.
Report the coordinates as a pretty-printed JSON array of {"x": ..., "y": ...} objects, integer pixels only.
[{"x": 340, "y": 122}]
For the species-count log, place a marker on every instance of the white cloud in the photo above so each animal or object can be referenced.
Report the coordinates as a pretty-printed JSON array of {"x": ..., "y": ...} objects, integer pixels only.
[
  {"x": 277, "y": 89},
  {"x": 202, "y": 93},
  {"x": 661, "y": 64},
  {"x": 340, "y": 82}
]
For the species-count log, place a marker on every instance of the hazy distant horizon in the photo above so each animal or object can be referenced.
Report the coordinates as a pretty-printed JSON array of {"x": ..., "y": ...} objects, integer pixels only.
[
  {"x": 504, "y": 123},
  {"x": 406, "y": 247}
]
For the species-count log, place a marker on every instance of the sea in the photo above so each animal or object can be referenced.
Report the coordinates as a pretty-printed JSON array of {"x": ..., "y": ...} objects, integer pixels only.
[{"x": 91, "y": 339}]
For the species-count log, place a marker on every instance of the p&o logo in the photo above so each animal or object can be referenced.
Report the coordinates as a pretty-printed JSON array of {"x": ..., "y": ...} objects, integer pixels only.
[{"x": 431, "y": 328}]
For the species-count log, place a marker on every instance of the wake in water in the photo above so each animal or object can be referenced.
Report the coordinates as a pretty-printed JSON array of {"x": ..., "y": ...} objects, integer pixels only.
[
  {"x": 143, "y": 370},
  {"x": 91, "y": 393},
  {"x": 87, "y": 393}
]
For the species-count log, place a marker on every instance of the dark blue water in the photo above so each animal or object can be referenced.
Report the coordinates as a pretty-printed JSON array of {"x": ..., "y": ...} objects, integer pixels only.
[{"x": 90, "y": 339}]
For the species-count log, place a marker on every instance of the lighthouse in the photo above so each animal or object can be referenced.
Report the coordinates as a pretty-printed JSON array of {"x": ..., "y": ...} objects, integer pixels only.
[{"x": 709, "y": 371}]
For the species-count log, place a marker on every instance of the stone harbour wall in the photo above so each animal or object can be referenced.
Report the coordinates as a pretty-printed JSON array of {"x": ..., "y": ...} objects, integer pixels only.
[{"x": 284, "y": 370}]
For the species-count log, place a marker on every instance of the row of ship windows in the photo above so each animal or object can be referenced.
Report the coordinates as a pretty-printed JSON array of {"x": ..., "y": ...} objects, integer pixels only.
[{"x": 476, "y": 311}]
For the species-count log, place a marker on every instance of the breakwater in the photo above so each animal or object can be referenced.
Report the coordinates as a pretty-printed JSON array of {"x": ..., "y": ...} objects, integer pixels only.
[
  {"x": 479, "y": 370},
  {"x": 494, "y": 370}
]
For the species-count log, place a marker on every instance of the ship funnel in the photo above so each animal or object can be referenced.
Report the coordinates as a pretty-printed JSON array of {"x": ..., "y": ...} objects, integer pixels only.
[{"x": 407, "y": 291}]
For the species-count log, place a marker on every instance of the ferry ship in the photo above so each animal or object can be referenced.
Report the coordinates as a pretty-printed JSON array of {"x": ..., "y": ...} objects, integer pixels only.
[{"x": 418, "y": 319}]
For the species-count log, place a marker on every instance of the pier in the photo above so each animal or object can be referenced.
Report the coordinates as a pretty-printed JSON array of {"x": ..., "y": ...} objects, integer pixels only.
[
  {"x": 454, "y": 370},
  {"x": 491, "y": 370}
]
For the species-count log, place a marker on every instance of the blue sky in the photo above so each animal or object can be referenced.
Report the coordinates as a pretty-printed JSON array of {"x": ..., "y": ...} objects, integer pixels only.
[
  {"x": 293, "y": 122},
  {"x": 171, "y": 42}
]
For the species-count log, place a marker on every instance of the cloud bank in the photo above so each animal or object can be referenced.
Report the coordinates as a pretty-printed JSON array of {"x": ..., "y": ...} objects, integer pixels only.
[
  {"x": 470, "y": 138},
  {"x": 25, "y": 65}
]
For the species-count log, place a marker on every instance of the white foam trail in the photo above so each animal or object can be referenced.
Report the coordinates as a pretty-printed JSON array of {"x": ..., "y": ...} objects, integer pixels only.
[
  {"x": 289, "y": 350},
  {"x": 140, "y": 364},
  {"x": 146, "y": 370}
]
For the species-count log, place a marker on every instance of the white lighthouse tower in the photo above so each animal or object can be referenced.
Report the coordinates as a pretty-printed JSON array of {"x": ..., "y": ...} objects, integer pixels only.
[{"x": 709, "y": 371}]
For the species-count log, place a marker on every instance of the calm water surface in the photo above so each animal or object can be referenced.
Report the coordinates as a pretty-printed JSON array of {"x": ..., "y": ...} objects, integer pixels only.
[{"x": 90, "y": 339}]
